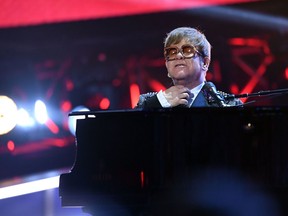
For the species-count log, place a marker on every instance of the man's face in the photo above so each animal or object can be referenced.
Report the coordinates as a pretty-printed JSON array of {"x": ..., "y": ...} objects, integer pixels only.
[{"x": 186, "y": 71}]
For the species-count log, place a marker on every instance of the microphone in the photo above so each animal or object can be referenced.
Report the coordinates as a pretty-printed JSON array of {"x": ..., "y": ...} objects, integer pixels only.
[
  {"x": 210, "y": 88},
  {"x": 256, "y": 94}
]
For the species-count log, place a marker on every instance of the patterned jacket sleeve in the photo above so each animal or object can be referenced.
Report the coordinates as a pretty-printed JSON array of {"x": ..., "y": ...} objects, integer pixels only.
[
  {"x": 231, "y": 102},
  {"x": 148, "y": 100}
]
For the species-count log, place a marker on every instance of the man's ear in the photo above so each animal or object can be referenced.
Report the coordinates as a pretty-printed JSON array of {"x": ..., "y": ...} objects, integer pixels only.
[{"x": 206, "y": 63}]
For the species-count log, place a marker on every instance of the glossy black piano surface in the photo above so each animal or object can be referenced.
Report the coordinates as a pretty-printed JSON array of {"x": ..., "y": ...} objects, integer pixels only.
[{"x": 180, "y": 162}]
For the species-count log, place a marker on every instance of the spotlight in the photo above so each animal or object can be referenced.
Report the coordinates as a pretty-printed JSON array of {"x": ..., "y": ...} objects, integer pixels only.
[
  {"x": 24, "y": 119},
  {"x": 40, "y": 112},
  {"x": 8, "y": 114}
]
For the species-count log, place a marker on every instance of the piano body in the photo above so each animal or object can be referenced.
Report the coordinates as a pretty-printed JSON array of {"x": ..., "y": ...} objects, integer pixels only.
[{"x": 179, "y": 162}]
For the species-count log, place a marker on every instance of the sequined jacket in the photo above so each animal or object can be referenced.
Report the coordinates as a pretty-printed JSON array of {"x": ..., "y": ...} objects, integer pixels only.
[{"x": 203, "y": 99}]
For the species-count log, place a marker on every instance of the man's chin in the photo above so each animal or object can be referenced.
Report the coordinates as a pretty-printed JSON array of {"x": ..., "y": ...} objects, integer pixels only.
[
  {"x": 181, "y": 75},
  {"x": 180, "y": 81}
]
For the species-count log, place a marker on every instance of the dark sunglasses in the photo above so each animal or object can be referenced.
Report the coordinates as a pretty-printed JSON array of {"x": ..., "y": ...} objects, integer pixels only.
[{"x": 187, "y": 51}]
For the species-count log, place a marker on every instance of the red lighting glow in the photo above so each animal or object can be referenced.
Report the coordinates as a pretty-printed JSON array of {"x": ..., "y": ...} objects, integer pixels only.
[
  {"x": 246, "y": 42},
  {"x": 234, "y": 89},
  {"x": 156, "y": 86},
  {"x": 142, "y": 178},
  {"x": 251, "y": 42},
  {"x": 102, "y": 57},
  {"x": 256, "y": 47},
  {"x": 43, "y": 145},
  {"x": 258, "y": 74},
  {"x": 286, "y": 73},
  {"x": 66, "y": 106},
  {"x": 52, "y": 126},
  {"x": 69, "y": 85},
  {"x": 10, "y": 145},
  {"x": 31, "y": 12},
  {"x": 134, "y": 94},
  {"x": 104, "y": 103}
]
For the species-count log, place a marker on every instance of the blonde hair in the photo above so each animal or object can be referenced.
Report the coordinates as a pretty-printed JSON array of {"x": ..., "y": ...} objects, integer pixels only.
[{"x": 191, "y": 35}]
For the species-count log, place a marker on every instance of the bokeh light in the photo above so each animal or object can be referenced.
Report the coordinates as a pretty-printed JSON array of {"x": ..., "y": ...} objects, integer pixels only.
[
  {"x": 8, "y": 114},
  {"x": 41, "y": 114}
]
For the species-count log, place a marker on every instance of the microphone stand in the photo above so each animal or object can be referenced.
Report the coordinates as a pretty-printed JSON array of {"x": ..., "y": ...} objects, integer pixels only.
[{"x": 260, "y": 93}]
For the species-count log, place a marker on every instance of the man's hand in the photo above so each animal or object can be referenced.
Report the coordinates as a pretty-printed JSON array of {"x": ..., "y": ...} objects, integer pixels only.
[{"x": 177, "y": 95}]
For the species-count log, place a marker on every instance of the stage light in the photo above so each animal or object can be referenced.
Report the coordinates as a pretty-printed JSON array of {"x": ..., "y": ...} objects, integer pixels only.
[
  {"x": 104, "y": 103},
  {"x": 24, "y": 119},
  {"x": 134, "y": 94},
  {"x": 66, "y": 106},
  {"x": 156, "y": 85},
  {"x": 10, "y": 145},
  {"x": 8, "y": 114},
  {"x": 29, "y": 187},
  {"x": 40, "y": 112},
  {"x": 73, "y": 119}
]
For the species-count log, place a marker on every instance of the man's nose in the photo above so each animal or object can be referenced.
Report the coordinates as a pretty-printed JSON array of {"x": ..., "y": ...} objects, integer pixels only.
[{"x": 179, "y": 55}]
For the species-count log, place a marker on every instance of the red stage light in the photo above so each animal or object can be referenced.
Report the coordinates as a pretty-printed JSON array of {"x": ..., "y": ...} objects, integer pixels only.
[
  {"x": 142, "y": 178},
  {"x": 286, "y": 73},
  {"x": 31, "y": 12},
  {"x": 52, "y": 126},
  {"x": 10, "y": 145},
  {"x": 234, "y": 89},
  {"x": 104, "y": 103},
  {"x": 66, "y": 106},
  {"x": 69, "y": 85},
  {"x": 156, "y": 85},
  {"x": 134, "y": 94}
]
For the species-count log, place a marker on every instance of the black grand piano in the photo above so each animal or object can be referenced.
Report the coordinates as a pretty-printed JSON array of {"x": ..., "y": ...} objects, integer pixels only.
[{"x": 200, "y": 161}]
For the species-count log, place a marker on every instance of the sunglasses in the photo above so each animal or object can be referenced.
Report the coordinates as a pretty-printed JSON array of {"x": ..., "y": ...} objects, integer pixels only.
[{"x": 187, "y": 51}]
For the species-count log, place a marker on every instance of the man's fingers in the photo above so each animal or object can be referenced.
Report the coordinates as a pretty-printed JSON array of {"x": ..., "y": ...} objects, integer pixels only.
[
  {"x": 183, "y": 101},
  {"x": 184, "y": 95},
  {"x": 176, "y": 95},
  {"x": 182, "y": 89}
]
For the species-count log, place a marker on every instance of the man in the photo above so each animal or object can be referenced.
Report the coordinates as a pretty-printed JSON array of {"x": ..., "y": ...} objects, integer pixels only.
[{"x": 187, "y": 53}]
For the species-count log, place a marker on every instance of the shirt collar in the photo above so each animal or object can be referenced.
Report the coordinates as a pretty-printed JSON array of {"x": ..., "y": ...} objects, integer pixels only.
[{"x": 195, "y": 91}]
